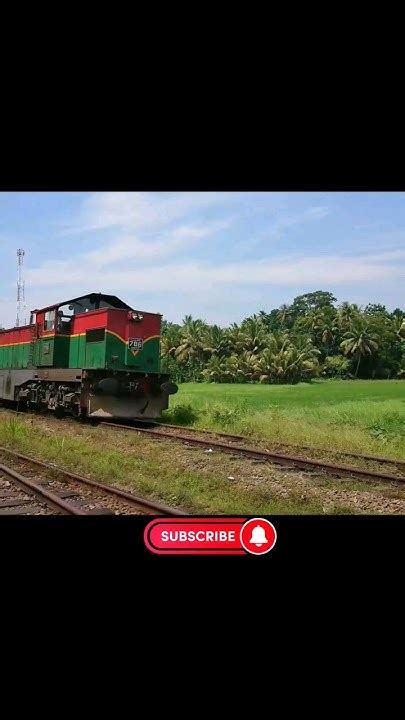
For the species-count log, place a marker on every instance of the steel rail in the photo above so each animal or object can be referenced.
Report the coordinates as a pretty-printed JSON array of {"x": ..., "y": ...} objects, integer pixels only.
[
  {"x": 46, "y": 496},
  {"x": 175, "y": 427},
  {"x": 279, "y": 458},
  {"x": 207, "y": 432},
  {"x": 375, "y": 458},
  {"x": 109, "y": 489}
]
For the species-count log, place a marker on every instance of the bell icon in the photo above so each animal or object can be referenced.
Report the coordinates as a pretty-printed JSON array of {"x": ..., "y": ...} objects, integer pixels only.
[{"x": 258, "y": 536}]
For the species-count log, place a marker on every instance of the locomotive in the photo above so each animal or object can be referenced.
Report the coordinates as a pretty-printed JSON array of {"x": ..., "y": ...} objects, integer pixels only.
[{"x": 93, "y": 356}]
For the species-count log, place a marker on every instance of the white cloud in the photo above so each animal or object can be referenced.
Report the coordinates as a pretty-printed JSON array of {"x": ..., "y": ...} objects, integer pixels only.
[
  {"x": 193, "y": 277},
  {"x": 287, "y": 221},
  {"x": 276, "y": 230},
  {"x": 124, "y": 247},
  {"x": 133, "y": 211}
]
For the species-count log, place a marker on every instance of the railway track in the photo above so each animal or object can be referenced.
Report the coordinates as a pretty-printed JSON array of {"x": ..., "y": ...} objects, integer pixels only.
[
  {"x": 227, "y": 444},
  {"x": 214, "y": 433},
  {"x": 343, "y": 453},
  {"x": 175, "y": 428},
  {"x": 227, "y": 436},
  {"x": 34, "y": 487},
  {"x": 379, "y": 459}
]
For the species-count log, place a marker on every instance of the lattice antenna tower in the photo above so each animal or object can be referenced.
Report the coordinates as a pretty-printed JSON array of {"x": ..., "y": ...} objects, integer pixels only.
[{"x": 21, "y": 307}]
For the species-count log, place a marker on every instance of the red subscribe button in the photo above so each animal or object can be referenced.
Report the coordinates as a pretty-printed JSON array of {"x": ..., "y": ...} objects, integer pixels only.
[{"x": 210, "y": 536}]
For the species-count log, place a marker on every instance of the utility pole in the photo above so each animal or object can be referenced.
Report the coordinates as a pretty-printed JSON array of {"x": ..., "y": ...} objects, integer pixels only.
[{"x": 21, "y": 308}]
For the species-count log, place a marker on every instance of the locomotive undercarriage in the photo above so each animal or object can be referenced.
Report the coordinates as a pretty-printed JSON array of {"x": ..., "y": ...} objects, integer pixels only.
[
  {"x": 40, "y": 394},
  {"x": 97, "y": 393}
]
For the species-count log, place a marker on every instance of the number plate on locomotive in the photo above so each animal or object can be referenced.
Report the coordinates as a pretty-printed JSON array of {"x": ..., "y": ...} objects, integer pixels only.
[{"x": 135, "y": 343}]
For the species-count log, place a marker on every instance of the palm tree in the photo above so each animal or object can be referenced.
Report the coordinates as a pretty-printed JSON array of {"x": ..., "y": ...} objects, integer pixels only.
[
  {"x": 170, "y": 339},
  {"x": 347, "y": 314},
  {"x": 246, "y": 365},
  {"x": 255, "y": 334},
  {"x": 192, "y": 343},
  {"x": 214, "y": 370},
  {"x": 264, "y": 317},
  {"x": 215, "y": 341},
  {"x": 230, "y": 366},
  {"x": 325, "y": 327},
  {"x": 305, "y": 348},
  {"x": 359, "y": 342},
  {"x": 284, "y": 315},
  {"x": 287, "y": 362},
  {"x": 235, "y": 338},
  {"x": 278, "y": 341}
]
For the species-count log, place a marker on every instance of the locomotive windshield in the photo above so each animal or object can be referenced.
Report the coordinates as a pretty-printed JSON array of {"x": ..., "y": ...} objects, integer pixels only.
[
  {"x": 95, "y": 302},
  {"x": 85, "y": 304}
]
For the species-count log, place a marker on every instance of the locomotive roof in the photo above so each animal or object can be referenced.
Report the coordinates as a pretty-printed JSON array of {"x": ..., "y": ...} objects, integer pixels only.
[{"x": 112, "y": 299}]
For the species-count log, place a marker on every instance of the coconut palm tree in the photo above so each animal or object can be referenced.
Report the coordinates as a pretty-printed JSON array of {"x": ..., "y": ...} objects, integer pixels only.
[
  {"x": 170, "y": 339},
  {"x": 275, "y": 367},
  {"x": 325, "y": 329},
  {"x": 287, "y": 364},
  {"x": 215, "y": 341},
  {"x": 305, "y": 348},
  {"x": 278, "y": 341},
  {"x": 255, "y": 335},
  {"x": 191, "y": 345},
  {"x": 358, "y": 342},
  {"x": 214, "y": 370},
  {"x": 246, "y": 365},
  {"x": 230, "y": 366},
  {"x": 235, "y": 338},
  {"x": 348, "y": 313},
  {"x": 284, "y": 315}
]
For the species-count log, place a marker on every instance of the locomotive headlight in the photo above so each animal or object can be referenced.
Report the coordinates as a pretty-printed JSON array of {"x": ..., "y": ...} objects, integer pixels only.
[{"x": 135, "y": 316}]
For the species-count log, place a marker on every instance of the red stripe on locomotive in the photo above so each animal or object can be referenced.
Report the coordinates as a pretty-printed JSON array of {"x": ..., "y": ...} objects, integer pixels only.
[{"x": 16, "y": 335}]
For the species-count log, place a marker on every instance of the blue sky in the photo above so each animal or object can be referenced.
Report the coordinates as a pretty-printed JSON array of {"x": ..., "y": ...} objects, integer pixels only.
[{"x": 219, "y": 256}]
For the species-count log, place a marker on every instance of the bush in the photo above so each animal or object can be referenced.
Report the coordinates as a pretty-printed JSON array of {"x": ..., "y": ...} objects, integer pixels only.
[
  {"x": 336, "y": 366},
  {"x": 389, "y": 427},
  {"x": 180, "y": 415},
  {"x": 228, "y": 416}
]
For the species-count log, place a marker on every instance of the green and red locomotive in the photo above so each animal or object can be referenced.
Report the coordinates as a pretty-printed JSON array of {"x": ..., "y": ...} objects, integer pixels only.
[{"x": 93, "y": 356}]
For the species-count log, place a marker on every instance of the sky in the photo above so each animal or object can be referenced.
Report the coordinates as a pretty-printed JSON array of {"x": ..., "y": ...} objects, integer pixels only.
[{"x": 220, "y": 256}]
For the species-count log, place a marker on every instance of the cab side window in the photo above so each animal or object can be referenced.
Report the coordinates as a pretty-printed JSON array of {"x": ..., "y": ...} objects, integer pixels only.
[{"x": 49, "y": 320}]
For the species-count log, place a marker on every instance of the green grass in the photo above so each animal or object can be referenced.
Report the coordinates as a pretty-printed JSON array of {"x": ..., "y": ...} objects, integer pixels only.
[
  {"x": 355, "y": 415},
  {"x": 153, "y": 470},
  {"x": 186, "y": 476}
]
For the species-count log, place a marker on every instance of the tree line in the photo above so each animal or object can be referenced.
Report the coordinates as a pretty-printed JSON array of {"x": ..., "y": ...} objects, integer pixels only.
[{"x": 312, "y": 337}]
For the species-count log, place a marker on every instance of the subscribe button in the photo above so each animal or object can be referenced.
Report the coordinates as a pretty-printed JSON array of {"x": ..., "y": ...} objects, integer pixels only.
[{"x": 210, "y": 536}]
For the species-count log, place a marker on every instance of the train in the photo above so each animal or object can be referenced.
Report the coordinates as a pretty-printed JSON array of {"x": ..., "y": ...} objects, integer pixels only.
[{"x": 93, "y": 356}]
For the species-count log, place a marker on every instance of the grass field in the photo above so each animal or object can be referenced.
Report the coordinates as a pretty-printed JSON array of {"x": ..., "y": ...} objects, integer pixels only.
[
  {"x": 362, "y": 416},
  {"x": 188, "y": 476},
  {"x": 174, "y": 474},
  {"x": 356, "y": 415}
]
